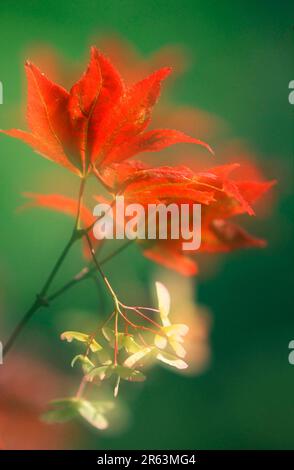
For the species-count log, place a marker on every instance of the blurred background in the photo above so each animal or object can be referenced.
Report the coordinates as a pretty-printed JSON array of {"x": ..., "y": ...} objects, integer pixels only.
[{"x": 232, "y": 63}]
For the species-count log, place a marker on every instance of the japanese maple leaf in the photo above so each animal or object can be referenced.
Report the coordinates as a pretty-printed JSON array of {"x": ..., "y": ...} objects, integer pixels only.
[
  {"x": 223, "y": 236},
  {"x": 98, "y": 122},
  {"x": 221, "y": 197},
  {"x": 224, "y": 195},
  {"x": 141, "y": 184}
]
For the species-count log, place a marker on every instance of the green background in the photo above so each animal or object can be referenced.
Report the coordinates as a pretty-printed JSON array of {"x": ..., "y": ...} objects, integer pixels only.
[{"x": 244, "y": 53}]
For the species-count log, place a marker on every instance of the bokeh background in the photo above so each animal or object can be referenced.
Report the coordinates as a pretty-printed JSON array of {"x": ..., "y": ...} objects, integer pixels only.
[{"x": 240, "y": 57}]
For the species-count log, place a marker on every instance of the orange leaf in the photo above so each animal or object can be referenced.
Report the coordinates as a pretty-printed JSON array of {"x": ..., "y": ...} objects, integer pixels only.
[
  {"x": 47, "y": 113},
  {"x": 223, "y": 236},
  {"x": 172, "y": 259},
  {"x": 130, "y": 116},
  {"x": 51, "y": 151},
  {"x": 152, "y": 141}
]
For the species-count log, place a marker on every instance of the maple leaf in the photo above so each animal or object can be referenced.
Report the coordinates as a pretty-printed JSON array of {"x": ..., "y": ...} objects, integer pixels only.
[
  {"x": 141, "y": 184},
  {"x": 98, "y": 122},
  {"x": 222, "y": 236},
  {"x": 221, "y": 198}
]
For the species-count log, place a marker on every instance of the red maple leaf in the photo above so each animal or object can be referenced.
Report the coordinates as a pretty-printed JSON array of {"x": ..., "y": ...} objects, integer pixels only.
[
  {"x": 98, "y": 122},
  {"x": 221, "y": 198}
]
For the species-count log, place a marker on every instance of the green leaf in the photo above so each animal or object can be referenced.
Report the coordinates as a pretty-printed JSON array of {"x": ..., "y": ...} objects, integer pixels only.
[
  {"x": 171, "y": 360},
  {"x": 177, "y": 329},
  {"x": 103, "y": 372},
  {"x": 103, "y": 406},
  {"x": 61, "y": 410},
  {"x": 93, "y": 414},
  {"x": 178, "y": 348},
  {"x": 129, "y": 374},
  {"x": 116, "y": 388},
  {"x": 124, "y": 340},
  {"x": 85, "y": 361},
  {"x": 110, "y": 337},
  {"x": 138, "y": 356},
  {"x": 82, "y": 337},
  {"x": 104, "y": 357},
  {"x": 160, "y": 341},
  {"x": 69, "y": 408},
  {"x": 163, "y": 302},
  {"x": 174, "y": 337},
  {"x": 130, "y": 344}
]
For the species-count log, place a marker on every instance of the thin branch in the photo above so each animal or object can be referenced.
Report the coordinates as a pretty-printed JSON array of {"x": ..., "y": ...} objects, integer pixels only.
[
  {"x": 99, "y": 269},
  {"x": 41, "y": 300},
  {"x": 86, "y": 272},
  {"x": 115, "y": 338},
  {"x": 82, "y": 386},
  {"x": 139, "y": 327},
  {"x": 142, "y": 315},
  {"x": 80, "y": 201}
]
